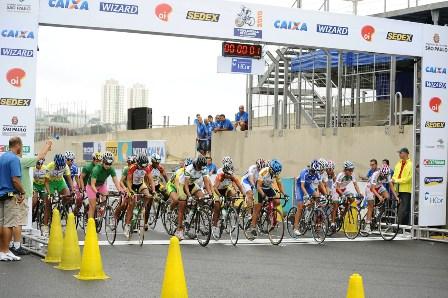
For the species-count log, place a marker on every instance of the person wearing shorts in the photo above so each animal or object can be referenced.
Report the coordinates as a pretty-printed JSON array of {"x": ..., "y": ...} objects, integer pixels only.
[
  {"x": 97, "y": 186},
  {"x": 97, "y": 158},
  {"x": 131, "y": 160}
]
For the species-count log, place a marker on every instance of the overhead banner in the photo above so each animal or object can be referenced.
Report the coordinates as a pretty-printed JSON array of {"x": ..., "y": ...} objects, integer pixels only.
[
  {"x": 236, "y": 21},
  {"x": 434, "y": 130},
  {"x": 18, "y": 44}
]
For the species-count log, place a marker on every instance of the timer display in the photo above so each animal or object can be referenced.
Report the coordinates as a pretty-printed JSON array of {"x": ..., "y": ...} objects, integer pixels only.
[{"x": 242, "y": 50}]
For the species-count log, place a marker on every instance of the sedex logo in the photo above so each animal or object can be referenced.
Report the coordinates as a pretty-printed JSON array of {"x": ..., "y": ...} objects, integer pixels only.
[
  {"x": 435, "y": 124},
  {"x": 399, "y": 36},
  {"x": 14, "y": 76},
  {"x": 163, "y": 11}
]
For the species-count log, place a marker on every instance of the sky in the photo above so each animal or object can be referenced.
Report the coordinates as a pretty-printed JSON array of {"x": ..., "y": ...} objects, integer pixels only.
[{"x": 73, "y": 64}]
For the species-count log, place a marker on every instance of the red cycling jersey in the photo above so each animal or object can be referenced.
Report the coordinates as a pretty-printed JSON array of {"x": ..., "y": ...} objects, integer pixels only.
[{"x": 137, "y": 174}]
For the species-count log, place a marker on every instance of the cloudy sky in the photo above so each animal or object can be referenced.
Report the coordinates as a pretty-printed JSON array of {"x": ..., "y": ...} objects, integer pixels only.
[{"x": 73, "y": 64}]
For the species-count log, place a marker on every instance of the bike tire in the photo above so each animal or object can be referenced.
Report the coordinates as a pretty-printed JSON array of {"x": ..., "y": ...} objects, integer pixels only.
[
  {"x": 319, "y": 225},
  {"x": 203, "y": 226},
  {"x": 275, "y": 226},
  {"x": 362, "y": 226},
  {"x": 388, "y": 224},
  {"x": 354, "y": 217},
  {"x": 290, "y": 222},
  {"x": 233, "y": 225},
  {"x": 110, "y": 225},
  {"x": 154, "y": 213},
  {"x": 246, "y": 218},
  {"x": 141, "y": 226}
]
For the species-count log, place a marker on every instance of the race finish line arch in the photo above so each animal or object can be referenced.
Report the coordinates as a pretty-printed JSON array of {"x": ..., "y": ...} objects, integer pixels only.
[{"x": 223, "y": 20}]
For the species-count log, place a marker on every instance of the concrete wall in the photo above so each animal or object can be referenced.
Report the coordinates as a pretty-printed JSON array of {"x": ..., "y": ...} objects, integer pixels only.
[
  {"x": 295, "y": 148},
  {"x": 180, "y": 141}
]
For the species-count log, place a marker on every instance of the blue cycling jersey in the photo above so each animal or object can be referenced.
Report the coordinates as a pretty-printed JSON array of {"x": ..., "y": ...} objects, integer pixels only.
[
  {"x": 309, "y": 178},
  {"x": 73, "y": 171}
]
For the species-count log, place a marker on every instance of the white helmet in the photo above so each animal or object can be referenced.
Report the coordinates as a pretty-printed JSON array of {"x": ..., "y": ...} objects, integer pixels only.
[
  {"x": 69, "y": 155},
  {"x": 108, "y": 157},
  {"x": 155, "y": 158}
]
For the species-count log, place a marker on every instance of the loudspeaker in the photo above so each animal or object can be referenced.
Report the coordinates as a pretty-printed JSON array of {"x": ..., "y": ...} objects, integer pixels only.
[{"x": 139, "y": 118}]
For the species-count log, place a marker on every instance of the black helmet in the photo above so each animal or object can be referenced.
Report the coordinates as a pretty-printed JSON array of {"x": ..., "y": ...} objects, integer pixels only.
[
  {"x": 142, "y": 160},
  {"x": 200, "y": 161}
]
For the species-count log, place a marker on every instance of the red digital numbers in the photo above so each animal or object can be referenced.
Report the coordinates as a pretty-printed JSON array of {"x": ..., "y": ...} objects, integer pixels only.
[{"x": 231, "y": 49}]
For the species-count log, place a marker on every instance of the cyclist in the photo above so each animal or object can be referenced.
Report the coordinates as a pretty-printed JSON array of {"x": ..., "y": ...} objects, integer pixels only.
[
  {"x": 223, "y": 188},
  {"x": 249, "y": 181},
  {"x": 57, "y": 173},
  {"x": 139, "y": 176},
  {"x": 195, "y": 174},
  {"x": 97, "y": 158},
  {"x": 375, "y": 189},
  {"x": 97, "y": 186},
  {"x": 158, "y": 175},
  {"x": 266, "y": 179},
  {"x": 74, "y": 174},
  {"x": 130, "y": 160},
  {"x": 40, "y": 188},
  {"x": 343, "y": 180},
  {"x": 305, "y": 189}
]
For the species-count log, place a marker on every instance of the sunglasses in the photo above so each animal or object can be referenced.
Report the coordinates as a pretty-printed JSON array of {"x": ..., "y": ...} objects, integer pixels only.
[{"x": 107, "y": 163}]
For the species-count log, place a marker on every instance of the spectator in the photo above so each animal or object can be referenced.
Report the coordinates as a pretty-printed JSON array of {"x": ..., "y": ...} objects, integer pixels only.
[
  {"x": 373, "y": 169},
  {"x": 224, "y": 124},
  {"x": 201, "y": 135},
  {"x": 196, "y": 121},
  {"x": 210, "y": 126},
  {"x": 11, "y": 193},
  {"x": 386, "y": 185},
  {"x": 241, "y": 119},
  {"x": 211, "y": 167},
  {"x": 403, "y": 179},
  {"x": 22, "y": 209}
]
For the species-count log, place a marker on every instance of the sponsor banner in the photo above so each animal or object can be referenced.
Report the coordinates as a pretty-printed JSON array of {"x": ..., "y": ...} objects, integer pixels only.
[
  {"x": 434, "y": 116},
  {"x": 124, "y": 150},
  {"x": 240, "y": 65},
  {"x": 139, "y": 147},
  {"x": 112, "y": 146},
  {"x": 159, "y": 147},
  {"x": 87, "y": 151},
  {"x": 99, "y": 147},
  {"x": 118, "y": 8}
]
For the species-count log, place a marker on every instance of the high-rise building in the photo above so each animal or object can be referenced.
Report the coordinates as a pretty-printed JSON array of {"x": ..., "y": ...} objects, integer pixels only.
[
  {"x": 138, "y": 96},
  {"x": 114, "y": 105}
]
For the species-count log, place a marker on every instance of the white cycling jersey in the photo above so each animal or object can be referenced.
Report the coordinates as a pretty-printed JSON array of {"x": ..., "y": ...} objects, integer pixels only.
[
  {"x": 196, "y": 176},
  {"x": 376, "y": 180},
  {"x": 251, "y": 172},
  {"x": 344, "y": 180}
]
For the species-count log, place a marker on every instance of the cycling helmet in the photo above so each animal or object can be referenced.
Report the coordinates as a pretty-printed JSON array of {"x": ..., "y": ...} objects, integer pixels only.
[
  {"x": 142, "y": 161},
  {"x": 276, "y": 166},
  {"x": 323, "y": 164},
  {"x": 40, "y": 162},
  {"x": 131, "y": 159},
  {"x": 385, "y": 170},
  {"x": 188, "y": 161},
  {"x": 59, "y": 160},
  {"x": 108, "y": 157},
  {"x": 155, "y": 158},
  {"x": 330, "y": 165},
  {"x": 315, "y": 165},
  {"x": 200, "y": 161},
  {"x": 69, "y": 155},
  {"x": 97, "y": 156},
  {"x": 348, "y": 165},
  {"x": 227, "y": 159},
  {"x": 228, "y": 169},
  {"x": 261, "y": 163}
]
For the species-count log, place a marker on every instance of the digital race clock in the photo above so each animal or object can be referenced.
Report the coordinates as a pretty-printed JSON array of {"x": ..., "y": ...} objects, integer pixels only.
[{"x": 242, "y": 50}]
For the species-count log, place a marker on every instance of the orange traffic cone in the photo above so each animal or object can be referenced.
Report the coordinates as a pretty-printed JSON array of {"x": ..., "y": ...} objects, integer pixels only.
[
  {"x": 174, "y": 284},
  {"x": 91, "y": 264},
  {"x": 54, "y": 251},
  {"x": 71, "y": 254},
  {"x": 355, "y": 286}
]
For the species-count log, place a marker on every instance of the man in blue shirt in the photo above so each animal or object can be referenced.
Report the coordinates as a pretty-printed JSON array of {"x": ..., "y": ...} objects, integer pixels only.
[
  {"x": 201, "y": 136},
  {"x": 241, "y": 119},
  {"x": 224, "y": 124},
  {"x": 210, "y": 126},
  {"x": 11, "y": 193},
  {"x": 373, "y": 169},
  {"x": 211, "y": 167}
]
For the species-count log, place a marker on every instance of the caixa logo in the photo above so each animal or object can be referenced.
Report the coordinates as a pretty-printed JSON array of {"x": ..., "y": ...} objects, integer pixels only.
[
  {"x": 69, "y": 4},
  {"x": 435, "y": 69},
  {"x": 434, "y": 198},
  {"x": 436, "y": 85}
]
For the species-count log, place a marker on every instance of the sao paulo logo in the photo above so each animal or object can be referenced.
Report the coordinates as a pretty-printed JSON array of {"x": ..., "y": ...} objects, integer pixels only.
[
  {"x": 435, "y": 103},
  {"x": 163, "y": 11},
  {"x": 331, "y": 29},
  {"x": 290, "y": 25},
  {"x": 367, "y": 32},
  {"x": 118, "y": 8},
  {"x": 69, "y": 4},
  {"x": 17, "y": 33},
  {"x": 14, "y": 76}
]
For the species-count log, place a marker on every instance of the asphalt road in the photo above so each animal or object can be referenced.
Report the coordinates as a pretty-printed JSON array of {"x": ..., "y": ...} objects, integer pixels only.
[{"x": 389, "y": 269}]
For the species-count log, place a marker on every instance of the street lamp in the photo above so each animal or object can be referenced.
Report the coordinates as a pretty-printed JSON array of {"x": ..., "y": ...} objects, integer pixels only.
[{"x": 355, "y": 6}]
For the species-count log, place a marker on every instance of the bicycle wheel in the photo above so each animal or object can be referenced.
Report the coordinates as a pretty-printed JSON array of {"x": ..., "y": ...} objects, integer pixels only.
[
  {"x": 263, "y": 223},
  {"x": 275, "y": 226},
  {"x": 290, "y": 221},
  {"x": 352, "y": 223},
  {"x": 154, "y": 214},
  {"x": 362, "y": 225},
  {"x": 319, "y": 225},
  {"x": 388, "y": 224},
  {"x": 245, "y": 222},
  {"x": 169, "y": 220},
  {"x": 141, "y": 226},
  {"x": 233, "y": 225},
  {"x": 110, "y": 225},
  {"x": 203, "y": 226}
]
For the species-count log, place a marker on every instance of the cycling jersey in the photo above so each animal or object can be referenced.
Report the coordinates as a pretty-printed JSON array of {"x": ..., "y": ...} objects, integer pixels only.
[
  {"x": 344, "y": 180},
  {"x": 251, "y": 172},
  {"x": 195, "y": 175},
  {"x": 124, "y": 173},
  {"x": 138, "y": 174},
  {"x": 327, "y": 180},
  {"x": 55, "y": 174},
  {"x": 267, "y": 178},
  {"x": 87, "y": 171},
  {"x": 157, "y": 174},
  {"x": 224, "y": 180},
  {"x": 101, "y": 174},
  {"x": 310, "y": 179},
  {"x": 39, "y": 175},
  {"x": 377, "y": 180},
  {"x": 74, "y": 171}
]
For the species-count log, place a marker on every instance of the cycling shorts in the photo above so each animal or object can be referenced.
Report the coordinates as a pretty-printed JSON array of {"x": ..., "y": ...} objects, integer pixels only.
[
  {"x": 40, "y": 188},
  {"x": 269, "y": 192},
  {"x": 300, "y": 194},
  {"x": 371, "y": 196},
  {"x": 170, "y": 187},
  {"x": 224, "y": 192},
  {"x": 57, "y": 185},
  {"x": 246, "y": 185},
  {"x": 194, "y": 188},
  {"x": 139, "y": 188},
  {"x": 100, "y": 188},
  {"x": 335, "y": 196}
]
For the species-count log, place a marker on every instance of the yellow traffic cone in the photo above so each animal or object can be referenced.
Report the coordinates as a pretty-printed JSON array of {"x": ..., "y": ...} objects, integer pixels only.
[
  {"x": 174, "y": 285},
  {"x": 355, "y": 286},
  {"x": 91, "y": 264},
  {"x": 71, "y": 254},
  {"x": 54, "y": 251}
]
